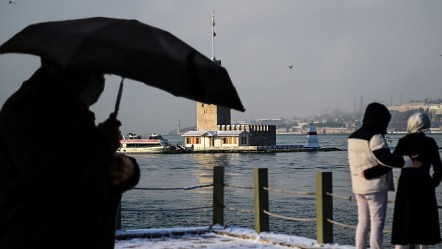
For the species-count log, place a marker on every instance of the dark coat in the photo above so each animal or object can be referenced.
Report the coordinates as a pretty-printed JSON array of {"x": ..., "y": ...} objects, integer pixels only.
[
  {"x": 55, "y": 190},
  {"x": 416, "y": 219}
]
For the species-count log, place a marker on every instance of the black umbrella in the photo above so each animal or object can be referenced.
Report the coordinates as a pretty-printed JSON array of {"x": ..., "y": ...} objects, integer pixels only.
[{"x": 132, "y": 50}]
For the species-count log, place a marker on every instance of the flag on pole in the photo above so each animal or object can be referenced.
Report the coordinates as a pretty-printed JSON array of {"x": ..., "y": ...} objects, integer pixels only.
[{"x": 213, "y": 18}]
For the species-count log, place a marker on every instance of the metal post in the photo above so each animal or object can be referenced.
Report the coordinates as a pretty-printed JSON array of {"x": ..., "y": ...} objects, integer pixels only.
[
  {"x": 261, "y": 200},
  {"x": 218, "y": 195},
  {"x": 213, "y": 35},
  {"x": 324, "y": 207}
]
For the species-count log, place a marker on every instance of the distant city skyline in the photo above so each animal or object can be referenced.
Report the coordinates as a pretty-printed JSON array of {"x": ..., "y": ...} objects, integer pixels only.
[{"x": 286, "y": 58}]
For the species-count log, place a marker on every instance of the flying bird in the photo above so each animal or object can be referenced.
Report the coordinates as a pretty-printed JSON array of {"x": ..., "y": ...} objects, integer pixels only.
[
  {"x": 12, "y": 2},
  {"x": 291, "y": 66}
]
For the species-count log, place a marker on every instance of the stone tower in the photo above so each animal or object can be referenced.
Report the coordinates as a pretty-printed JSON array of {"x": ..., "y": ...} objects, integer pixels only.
[{"x": 209, "y": 116}]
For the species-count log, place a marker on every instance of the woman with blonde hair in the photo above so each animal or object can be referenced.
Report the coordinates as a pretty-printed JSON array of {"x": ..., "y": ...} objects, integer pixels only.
[{"x": 416, "y": 218}]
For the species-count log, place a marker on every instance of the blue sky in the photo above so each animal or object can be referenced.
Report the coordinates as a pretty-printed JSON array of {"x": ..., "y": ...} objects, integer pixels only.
[{"x": 340, "y": 51}]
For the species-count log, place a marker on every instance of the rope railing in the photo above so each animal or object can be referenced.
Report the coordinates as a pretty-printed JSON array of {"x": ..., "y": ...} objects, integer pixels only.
[
  {"x": 261, "y": 192},
  {"x": 162, "y": 209},
  {"x": 241, "y": 210},
  {"x": 324, "y": 202},
  {"x": 349, "y": 198},
  {"x": 341, "y": 224},
  {"x": 387, "y": 230},
  {"x": 345, "y": 210},
  {"x": 167, "y": 210},
  {"x": 178, "y": 188},
  {"x": 288, "y": 218},
  {"x": 288, "y": 192},
  {"x": 238, "y": 186}
]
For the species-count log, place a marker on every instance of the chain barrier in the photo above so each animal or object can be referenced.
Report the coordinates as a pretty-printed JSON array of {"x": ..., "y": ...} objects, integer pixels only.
[
  {"x": 288, "y": 218},
  {"x": 288, "y": 192}
]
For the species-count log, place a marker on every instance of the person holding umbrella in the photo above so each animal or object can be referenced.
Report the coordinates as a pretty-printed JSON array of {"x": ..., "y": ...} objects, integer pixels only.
[
  {"x": 65, "y": 189},
  {"x": 60, "y": 179}
]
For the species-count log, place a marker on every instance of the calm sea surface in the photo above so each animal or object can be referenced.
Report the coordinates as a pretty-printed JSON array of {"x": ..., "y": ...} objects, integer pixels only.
[{"x": 292, "y": 171}]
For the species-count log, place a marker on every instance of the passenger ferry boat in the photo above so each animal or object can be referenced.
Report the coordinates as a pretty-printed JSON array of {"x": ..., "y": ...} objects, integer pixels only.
[{"x": 154, "y": 143}]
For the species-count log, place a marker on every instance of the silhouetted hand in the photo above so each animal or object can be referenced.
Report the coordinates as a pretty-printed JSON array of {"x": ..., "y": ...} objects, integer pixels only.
[
  {"x": 416, "y": 163},
  {"x": 122, "y": 169},
  {"x": 111, "y": 131}
]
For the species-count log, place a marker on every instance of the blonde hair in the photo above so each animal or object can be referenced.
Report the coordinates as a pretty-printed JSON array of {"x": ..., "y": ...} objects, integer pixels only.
[{"x": 418, "y": 122}]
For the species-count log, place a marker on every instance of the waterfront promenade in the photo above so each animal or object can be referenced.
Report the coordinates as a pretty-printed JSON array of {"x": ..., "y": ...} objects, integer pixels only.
[
  {"x": 170, "y": 197},
  {"x": 237, "y": 237},
  {"x": 224, "y": 233}
]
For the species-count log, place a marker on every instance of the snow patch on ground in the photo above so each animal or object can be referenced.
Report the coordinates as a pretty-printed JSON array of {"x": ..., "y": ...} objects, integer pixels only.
[{"x": 214, "y": 238}]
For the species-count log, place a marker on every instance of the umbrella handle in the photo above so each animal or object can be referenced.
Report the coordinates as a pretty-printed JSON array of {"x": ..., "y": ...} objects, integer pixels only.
[{"x": 117, "y": 104}]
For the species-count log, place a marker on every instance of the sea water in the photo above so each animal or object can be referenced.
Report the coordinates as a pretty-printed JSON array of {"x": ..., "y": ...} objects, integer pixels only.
[{"x": 172, "y": 202}]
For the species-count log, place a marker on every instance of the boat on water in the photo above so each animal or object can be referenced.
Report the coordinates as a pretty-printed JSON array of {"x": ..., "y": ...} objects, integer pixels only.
[{"x": 153, "y": 143}]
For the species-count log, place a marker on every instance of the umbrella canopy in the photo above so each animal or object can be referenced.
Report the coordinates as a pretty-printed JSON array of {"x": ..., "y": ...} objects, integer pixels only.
[{"x": 132, "y": 50}]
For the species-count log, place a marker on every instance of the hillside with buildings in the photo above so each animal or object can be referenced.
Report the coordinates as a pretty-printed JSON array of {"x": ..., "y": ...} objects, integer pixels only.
[{"x": 338, "y": 121}]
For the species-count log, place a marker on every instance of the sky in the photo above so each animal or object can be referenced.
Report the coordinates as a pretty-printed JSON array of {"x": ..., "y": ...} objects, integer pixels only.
[{"x": 342, "y": 52}]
